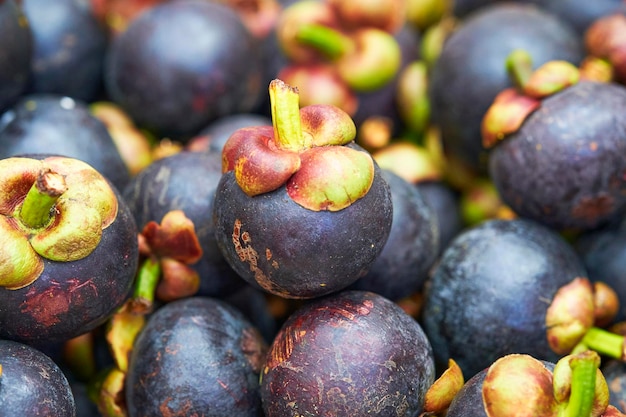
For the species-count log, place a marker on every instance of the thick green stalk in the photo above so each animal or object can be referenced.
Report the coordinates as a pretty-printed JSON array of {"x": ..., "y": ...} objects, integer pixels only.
[
  {"x": 146, "y": 284},
  {"x": 604, "y": 342},
  {"x": 328, "y": 41},
  {"x": 285, "y": 108},
  {"x": 519, "y": 66},
  {"x": 41, "y": 198},
  {"x": 582, "y": 395}
]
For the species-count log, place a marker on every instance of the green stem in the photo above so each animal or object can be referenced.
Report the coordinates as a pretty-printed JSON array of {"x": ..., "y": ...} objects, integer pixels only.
[
  {"x": 519, "y": 66},
  {"x": 582, "y": 395},
  {"x": 604, "y": 342},
  {"x": 41, "y": 198},
  {"x": 328, "y": 41},
  {"x": 145, "y": 286},
  {"x": 285, "y": 108}
]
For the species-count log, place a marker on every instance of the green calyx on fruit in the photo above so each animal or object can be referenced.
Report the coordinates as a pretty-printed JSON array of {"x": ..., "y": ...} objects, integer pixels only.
[
  {"x": 518, "y": 384},
  {"x": 512, "y": 106},
  {"x": 366, "y": 60},
  {"x": 55, "y": 208},
  {"x": 304, "y": 151},
  {"x": 605, "y": 40},
  {"x": 570, "y": 315}
]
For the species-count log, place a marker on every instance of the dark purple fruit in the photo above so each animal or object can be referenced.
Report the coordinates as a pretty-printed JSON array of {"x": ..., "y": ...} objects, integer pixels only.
[
  {"x": 196, "y": 356},
  {"x": 564, "y": 166},
  {"x": 603, "y": 253},
  {"x": 615, "y": 373},
  {"x": 181, "y": 64},
  {"x": 273, "y": 242},
  {"x": 68, "y": 275},
  {"x": 16, "y": 44},
  {"x": 60, "y": 125},
  {"x": 186, "y": 181},
  {"x": 69, "y": 48},
  {"x": 445, "y": 202},
  {"x": 353, "y": 353},
  {"x": 31, "y": 384},
  {"x": 491, "y": 290},
  {"x": 213, "y": 137},
  {"x": 412, "y": 247},
  {"x": 470, "y": 71}
]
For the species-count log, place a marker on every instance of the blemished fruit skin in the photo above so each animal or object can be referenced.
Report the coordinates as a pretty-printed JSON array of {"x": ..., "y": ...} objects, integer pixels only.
[
  {"x": 186, "y": 181},
  {"x": 352, "y": 353},
  {"x": 54, "y": 124},
  {"x": 565, "y": 166},
  {"x": 275, "y": 244},
  {"x": 16, "y": 44},
  {"x": 182, "y": 64},
  {"x": 32, "y": 384},
  {"x": 196, "y": 356},
  {"x": 490, "y": 291},
  {"x": 471, "y": 71},
  {"x": 72, "y": 298}
]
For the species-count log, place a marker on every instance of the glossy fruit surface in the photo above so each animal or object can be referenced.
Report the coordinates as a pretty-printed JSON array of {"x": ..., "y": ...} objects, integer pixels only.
[
  {"x": 31, "y": 384},
  {"x": 471, "y": 69},
  {"x": 182, "y": 64},
  {"x": 275, "y": 243},
  {"x": 196, "y": 356},
  {"x": 564, "y": 166},
  {"x": 353, "y": 353},
  {"x": 53, "y": 124},
  {"x": 491, "y": 289}
]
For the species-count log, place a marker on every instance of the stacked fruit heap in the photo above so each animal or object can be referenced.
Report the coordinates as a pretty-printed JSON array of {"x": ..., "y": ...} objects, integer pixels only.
[{"x": 312, "y": 208}]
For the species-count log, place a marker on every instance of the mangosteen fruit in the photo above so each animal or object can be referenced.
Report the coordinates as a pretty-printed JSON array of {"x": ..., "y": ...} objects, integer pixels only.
[
  {"x": 182, "y": 64},
  {"x": 603, "y": 253},
  {"x": 70, "y": 249},
  {"x": 351, "y": 353},
  {"x": 300, "y": 210},
  {"x": 412, "y": 247},
  {"x": 502, "y": 287},
  {"x": 69, "y": 48},
  {"x": 187, "y": 182},
  {"x": 16, "y": 44},
  {"x": 213, "y": 137},
  {"x": 470, "y": 71},
  {"x": 53, "y": 124},
  {"x": 563, "y": 166},
  {"x": 32, "y": 384},
  {"x": 196, "y": 356},
  {"x": 519, "y": 384},
  {"x": 445, "y": 202}
]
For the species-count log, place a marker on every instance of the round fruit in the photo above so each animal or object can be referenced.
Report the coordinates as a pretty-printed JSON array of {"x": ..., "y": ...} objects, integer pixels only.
[
  {"x": 195, "y": 356},
  {"x": 181, "y": 64},
  {"x": 31, "y": 384},
  {"x": 353, "y": 353},
  {"x": 564, "y": 167}
]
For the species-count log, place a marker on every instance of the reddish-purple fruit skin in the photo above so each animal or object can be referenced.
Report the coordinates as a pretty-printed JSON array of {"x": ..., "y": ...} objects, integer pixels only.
[
  {"x": 72, "y": 298},
  {"x": 352, "y": 353}
]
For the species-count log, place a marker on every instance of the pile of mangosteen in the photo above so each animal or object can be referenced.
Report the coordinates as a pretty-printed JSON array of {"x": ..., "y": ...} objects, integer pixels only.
[{"x": 281, "y": 208}]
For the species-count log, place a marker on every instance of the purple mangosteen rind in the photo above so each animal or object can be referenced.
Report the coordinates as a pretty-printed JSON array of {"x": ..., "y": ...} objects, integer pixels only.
[
  {"x": 304, "y": 150},
  {"x": 562, "y": 167},
  {"x": 72, "y": 296}
]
